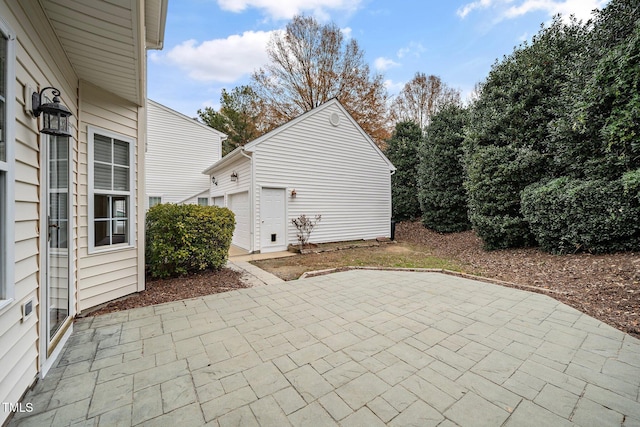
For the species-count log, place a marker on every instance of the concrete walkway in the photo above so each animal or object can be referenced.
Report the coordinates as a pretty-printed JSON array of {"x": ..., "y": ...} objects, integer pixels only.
[{"x": 357, "y": 348}]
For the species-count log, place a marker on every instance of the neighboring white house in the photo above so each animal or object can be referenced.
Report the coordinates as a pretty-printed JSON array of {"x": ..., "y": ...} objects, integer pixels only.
[
  {"x": 321, "y": 163},
  {"x": 178, "y": 149},
  {"x": 71, "y": 207}
]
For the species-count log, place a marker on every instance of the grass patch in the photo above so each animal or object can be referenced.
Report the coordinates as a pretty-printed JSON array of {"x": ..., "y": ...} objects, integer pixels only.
[{"x": 400, "y": 255}]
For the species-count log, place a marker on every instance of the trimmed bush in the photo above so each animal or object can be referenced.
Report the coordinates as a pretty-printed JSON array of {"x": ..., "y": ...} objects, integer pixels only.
[
  {"x": 442, "y": 196},
  {"x": 183, "y": 239},
  {"x": 568, "y": 215},
  {"x": 495, "y": 178}
]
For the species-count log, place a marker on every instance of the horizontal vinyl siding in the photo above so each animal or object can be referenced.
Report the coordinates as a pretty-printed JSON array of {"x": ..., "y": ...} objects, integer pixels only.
[
  {"x": 35, "y": 66},
  {"x": 336, "y": 173},
  {"x": 103, "y": 276},
  {"x": 178, "y": 150}
]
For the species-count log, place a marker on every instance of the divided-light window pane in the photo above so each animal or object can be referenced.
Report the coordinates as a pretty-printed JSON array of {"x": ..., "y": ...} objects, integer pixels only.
[
  {"x": 120, "y": 153},
  {"x": 102, "y": 148},
  {"x": 102, "y": 177},
  {"x": 120, "y": 178}
]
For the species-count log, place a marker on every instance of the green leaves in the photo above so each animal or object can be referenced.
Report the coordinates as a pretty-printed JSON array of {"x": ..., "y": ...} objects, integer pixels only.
[
  {"x": 440, "y": 174},
  {"x": 402, "y": 151},
  {"x": 182, "y": 239},
  {"x": 554, "y": 128},
  {"x": 568, "y": 215}
]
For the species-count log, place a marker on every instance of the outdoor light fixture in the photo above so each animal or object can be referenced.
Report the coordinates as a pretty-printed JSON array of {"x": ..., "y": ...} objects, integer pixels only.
[
  {"x": 55, "y": 116},
  {"x": 234, "y": 176},
  {"x": 293, "y": 193},
  {"x": 214, "y": 181}
]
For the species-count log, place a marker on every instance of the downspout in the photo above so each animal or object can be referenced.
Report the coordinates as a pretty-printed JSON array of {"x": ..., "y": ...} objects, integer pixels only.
[
  {"x": 252, "y": 219},
  {"x": 392, "y": 230}
]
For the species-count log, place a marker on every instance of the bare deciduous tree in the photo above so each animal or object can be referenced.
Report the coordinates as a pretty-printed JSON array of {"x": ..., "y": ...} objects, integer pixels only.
[
  {"x": 311, "y": 64},
  {"x": 421, "y": 98}
]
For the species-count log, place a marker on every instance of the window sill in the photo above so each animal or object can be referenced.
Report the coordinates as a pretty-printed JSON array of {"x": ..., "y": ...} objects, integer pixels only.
[
  {"x": 4, "y": 304},
  {"x": 97, "y": 250}
]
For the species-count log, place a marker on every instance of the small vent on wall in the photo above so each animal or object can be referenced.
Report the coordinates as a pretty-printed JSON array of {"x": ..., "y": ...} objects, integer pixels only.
[
  {"x": 273, "y": 237},
  {"x": 334, "y": 118}
]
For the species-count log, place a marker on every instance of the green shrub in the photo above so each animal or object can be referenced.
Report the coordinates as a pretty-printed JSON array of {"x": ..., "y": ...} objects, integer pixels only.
[
  {"x": 568, "y": 215},
  {"x": 495, "y": 178},
  {"x": 440, "y": 174},
  {"x": 402, "y": 151},
  {"x": 631, "y": 184},
  {"x": 183, "y": 239}
]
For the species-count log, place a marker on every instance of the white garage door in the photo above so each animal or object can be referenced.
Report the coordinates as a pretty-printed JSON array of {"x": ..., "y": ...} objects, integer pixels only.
[{"x": 239, "y": 204}]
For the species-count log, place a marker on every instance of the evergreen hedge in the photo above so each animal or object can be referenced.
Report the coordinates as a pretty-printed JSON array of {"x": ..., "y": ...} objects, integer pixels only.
[
  {"x": 495, "y": 178},
  {"x": 570, "y": 215},
  {"x": 183, "y": 239},
  {"x": 442, "y": 196},
  {"x": 402, "y": 151}
]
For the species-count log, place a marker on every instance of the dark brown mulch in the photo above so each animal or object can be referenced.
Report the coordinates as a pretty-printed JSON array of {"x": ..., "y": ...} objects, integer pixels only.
[
  {"x": 168, "y": 290},
  {"x": 606, "y": 287}
]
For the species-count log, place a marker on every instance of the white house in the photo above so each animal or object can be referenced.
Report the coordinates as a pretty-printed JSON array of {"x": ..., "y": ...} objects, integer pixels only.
[
  {"x": 178, "y": 149},
  {"x": 71, "y": 203},
  {"x": 321, "y": 163}
]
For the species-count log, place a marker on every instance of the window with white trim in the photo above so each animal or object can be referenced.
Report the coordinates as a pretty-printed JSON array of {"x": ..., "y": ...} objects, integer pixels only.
[
  {"x": 111, "y": 187},
  {"x": 154, "y": 200},
  {"x": 7, "y": 124},
  {"x": 203, "y": 201}
]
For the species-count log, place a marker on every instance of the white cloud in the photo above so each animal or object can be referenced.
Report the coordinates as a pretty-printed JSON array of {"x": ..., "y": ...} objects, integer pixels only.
[
  {"x": 507, "y": 9},
  {"x": 469, "y": 7},
  {"x": 414, "y": 49},
  {"x": 286, "y": 9},
  {"x": 382, "y": 64},
  {"x": 346, "y": 32},
  {"x": 580, "y": 8},
  {"x": 220, "y": 60},
  {"x": 393, "y": 87}
]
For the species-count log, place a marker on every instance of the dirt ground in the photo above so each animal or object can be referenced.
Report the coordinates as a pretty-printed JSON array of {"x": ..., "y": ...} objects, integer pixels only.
[{"x": 606, "y": 287}]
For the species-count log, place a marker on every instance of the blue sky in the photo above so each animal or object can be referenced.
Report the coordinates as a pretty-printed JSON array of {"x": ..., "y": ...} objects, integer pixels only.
[{"x": 215, "y": 44}]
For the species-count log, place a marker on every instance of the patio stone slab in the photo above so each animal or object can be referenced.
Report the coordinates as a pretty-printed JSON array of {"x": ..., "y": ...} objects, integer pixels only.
[{"x": 359, "y": 347}]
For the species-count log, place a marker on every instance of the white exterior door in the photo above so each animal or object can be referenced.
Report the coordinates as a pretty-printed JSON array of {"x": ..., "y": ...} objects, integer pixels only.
[
  {"x": 239, "y": 204},
  {"x": 56, "y": 292},
  {"x": 272, "y": 220}
]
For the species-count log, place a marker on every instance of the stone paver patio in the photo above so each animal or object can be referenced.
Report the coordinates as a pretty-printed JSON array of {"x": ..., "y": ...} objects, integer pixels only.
[{"x": 357, "y": 348}]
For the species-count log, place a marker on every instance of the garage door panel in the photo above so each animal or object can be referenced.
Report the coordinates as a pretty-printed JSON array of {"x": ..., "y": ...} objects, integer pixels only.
[{"x": 239, "y": 204}]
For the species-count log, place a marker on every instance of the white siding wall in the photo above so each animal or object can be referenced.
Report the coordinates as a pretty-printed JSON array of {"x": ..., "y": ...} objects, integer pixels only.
[
  {"x": 194, "y": 200},
  {"x": 34, "y": 65},
  {"x": 178, "y": 150},
  {"x": 336, "y": 173},
  {"x": 104, "y": 276}
]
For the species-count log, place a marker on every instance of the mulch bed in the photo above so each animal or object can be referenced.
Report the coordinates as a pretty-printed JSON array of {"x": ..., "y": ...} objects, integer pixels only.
[
  {"x": 168, "y": 290},
  {"x": 606, "y": 287}
]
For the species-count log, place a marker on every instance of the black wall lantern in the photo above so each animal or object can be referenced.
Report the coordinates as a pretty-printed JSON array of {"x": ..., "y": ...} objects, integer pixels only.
[
  {"x": 234, "y": 176},
  {"x": 55, "y": 116}
]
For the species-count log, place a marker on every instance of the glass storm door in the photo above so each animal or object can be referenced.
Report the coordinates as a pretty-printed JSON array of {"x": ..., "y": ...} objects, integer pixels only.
[{"x": 58, "y": 286}]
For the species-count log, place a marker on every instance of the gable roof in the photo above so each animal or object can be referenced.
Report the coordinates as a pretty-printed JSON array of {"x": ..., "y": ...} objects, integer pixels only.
[
  {"x": 251, "y": 146},
  {"x": 187, "y": 119}
]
